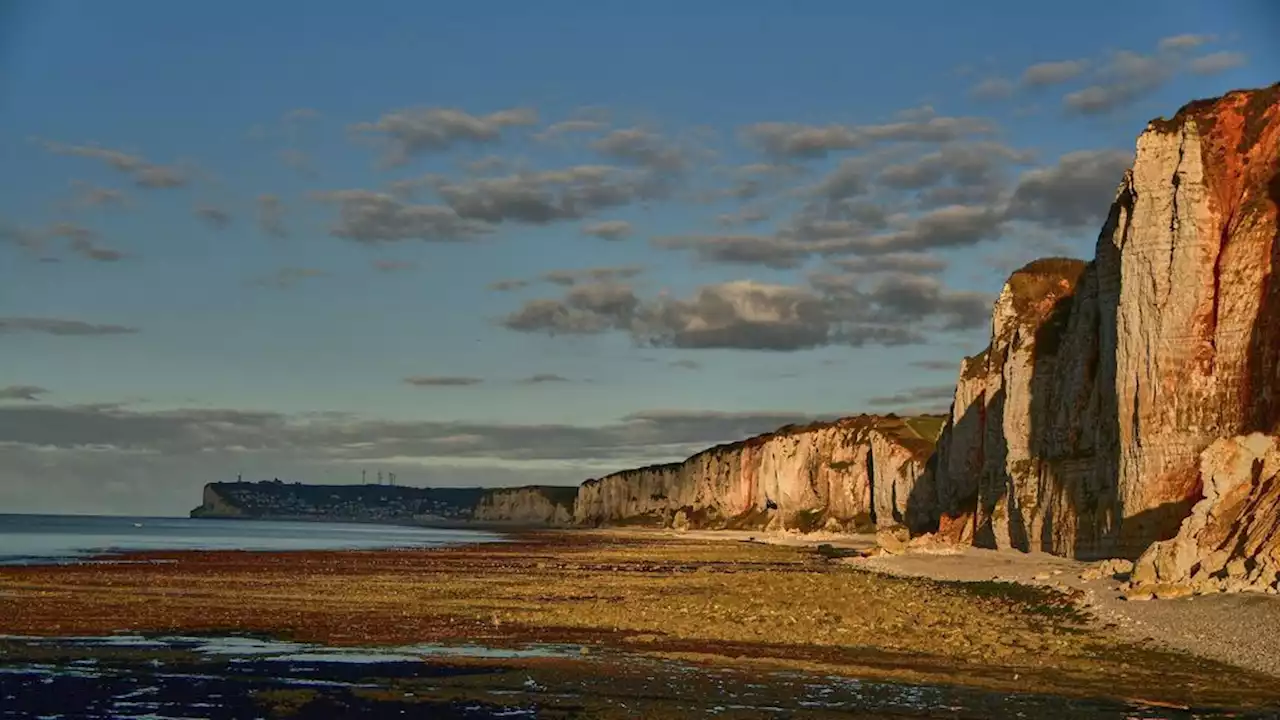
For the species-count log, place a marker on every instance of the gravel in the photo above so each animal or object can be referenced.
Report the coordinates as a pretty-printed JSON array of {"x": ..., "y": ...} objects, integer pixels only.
[{"x": 1237, "y": 629}]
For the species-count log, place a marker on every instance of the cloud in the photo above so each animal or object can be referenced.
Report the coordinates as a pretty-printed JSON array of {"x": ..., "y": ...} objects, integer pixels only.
[
  {"x": 1074, "y": 193},
  {"x": 1218, "y": 62},
  {"x": 508, "y": 285},
  {"x": 991, "y": 89},
  {"x": 412, "y": 132},
  {"x": 29, "y": 393},
  {"x": 608, "y": 229},
  {"x": 569, "y": 278},
  {"x": 215, "y": 217},
  {"x": 55, "y": 326},
  {"x": 904, "y": 297},
  {"x": 442, "y": 381},
  {"x": 746, "y": 215},
  {"x": 1046, "y": 74},
  {"x": 1187, "y": 41},
  {"x": 81, "y": 241},
  {"x": 559, "y": 129},
  {"x": 285, "y": 278},
  {"x": 89, "y": 251},
  {"x": 271, "y": 215},
  {"x": 756, "y": 179},
  {"x": 952, "y": 226},
  {"x": 808, "y": 142},
  {"x": 965, "y": 164},
  {"x": 931, "y": 397},
  {"x": 937, "y": 365},
  {"x": 88, "y": 195},
  {"x": 547, "y": 196},
  {"x": 323, "y": 444},
  {"x": 1125, "y": 79},
  {"x": 145, "y": 174},
  {"x": 366, "y": 216},
  {"x": 541, "y": 378},
  {"x": 642, "y": 148},
  {"x": 767, "y": 250},
  {"x": 906, "y": 262},
  {"x": 584, "y": 310},
  {"x": 390, "y": 266},
  {"x": 740, "y": 315}
]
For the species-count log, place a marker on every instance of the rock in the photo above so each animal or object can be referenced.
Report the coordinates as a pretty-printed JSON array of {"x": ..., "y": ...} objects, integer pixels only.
[
  {"x": 1078, "y": 430},
  {"x": 1231, "y": 540},
  {"x": 893, "y": 540},
  {"x": 1114, "y": 567},
  {"x": 681, "y": 521}
]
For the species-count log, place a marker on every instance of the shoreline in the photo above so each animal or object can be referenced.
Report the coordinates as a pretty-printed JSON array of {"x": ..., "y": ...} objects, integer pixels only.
[
  {"x": 723, "y": 604},
  {"x": 1211, "y": 627}
]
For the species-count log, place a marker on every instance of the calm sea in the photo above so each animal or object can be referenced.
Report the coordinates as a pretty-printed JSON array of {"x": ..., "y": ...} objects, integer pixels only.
[{"x": 53, "y": 538}]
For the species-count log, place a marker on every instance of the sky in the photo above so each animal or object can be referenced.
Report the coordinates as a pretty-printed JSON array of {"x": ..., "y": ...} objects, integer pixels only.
[{"x": 503, "y": 243}]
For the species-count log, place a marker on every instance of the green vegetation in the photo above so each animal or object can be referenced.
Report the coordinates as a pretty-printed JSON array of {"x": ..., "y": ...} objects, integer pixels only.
[{"x": 928, "y": 427}]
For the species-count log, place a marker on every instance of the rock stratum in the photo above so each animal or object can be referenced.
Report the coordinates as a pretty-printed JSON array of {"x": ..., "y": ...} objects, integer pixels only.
[
  {"x": 856, "y": 473},
  {"x": 1079, "y": 431}
]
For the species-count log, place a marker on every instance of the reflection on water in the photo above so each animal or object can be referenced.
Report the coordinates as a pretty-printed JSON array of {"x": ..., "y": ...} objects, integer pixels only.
[
  {"x": 132, "y": 676},
  {"x": 45, "y": 538}
]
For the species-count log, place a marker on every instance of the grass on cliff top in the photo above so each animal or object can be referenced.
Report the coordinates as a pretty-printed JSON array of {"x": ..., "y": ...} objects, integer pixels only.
[{"x": 928, "y": 427}]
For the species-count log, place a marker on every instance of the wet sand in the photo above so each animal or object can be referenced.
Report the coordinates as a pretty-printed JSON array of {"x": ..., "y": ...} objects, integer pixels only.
[{"x": 744, "y": 607}]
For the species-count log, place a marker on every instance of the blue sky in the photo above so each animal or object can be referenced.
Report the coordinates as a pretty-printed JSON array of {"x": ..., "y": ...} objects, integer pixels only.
[{"x": 233, "y": 233}]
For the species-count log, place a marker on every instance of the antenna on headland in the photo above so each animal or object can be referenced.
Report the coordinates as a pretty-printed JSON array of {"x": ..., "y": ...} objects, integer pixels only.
[{"x": 363, "y": 480}]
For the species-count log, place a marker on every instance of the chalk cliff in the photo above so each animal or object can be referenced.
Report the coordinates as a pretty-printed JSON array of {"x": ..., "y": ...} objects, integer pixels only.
[
  {"x": 853, "y": 473},
  {"x": 535, "y": 505},
  {"x": 1079, "y": 430}
]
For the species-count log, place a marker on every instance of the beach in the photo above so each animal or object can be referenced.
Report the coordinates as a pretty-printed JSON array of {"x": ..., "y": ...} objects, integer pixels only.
[{"x": 730, "y": 605}]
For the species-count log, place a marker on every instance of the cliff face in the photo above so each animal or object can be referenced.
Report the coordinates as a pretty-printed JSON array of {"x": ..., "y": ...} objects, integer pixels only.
[
  {"x": 1079, "y": 430},
  {"x": 852, "y": 473},
  {"x": 531, "y": 506}
]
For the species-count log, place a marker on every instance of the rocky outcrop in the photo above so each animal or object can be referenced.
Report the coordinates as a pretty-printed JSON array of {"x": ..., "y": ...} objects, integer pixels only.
[
  {"x": 535, "y": 505},
  {"x": 852, "y": 474},
  {"x": 1078, "y": 431},
  {"x": 1231, "y": 540},
  {"x": 215, "y": 505}
]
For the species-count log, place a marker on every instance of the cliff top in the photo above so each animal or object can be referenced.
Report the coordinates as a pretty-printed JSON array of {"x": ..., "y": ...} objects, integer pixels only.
[
  {"x": 1252, "y": 105},
  {"x": 1037, "y": 285}
]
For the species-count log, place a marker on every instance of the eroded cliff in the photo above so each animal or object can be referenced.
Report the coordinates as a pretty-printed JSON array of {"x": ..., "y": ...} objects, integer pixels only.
[
  {"x": 1078, "y": 431},
  {"x": 853, "y": 473}
]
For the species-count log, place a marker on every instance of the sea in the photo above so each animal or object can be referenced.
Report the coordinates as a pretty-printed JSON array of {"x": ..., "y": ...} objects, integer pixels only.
[{"x": 26, "y": 539}]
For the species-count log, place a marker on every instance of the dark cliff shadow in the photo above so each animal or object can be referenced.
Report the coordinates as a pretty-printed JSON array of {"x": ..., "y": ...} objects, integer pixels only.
[
  {"x": 928, "y": 501},
  {"x": 1074, "y": 414},
  {"x": 1261, "y": 390}
]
